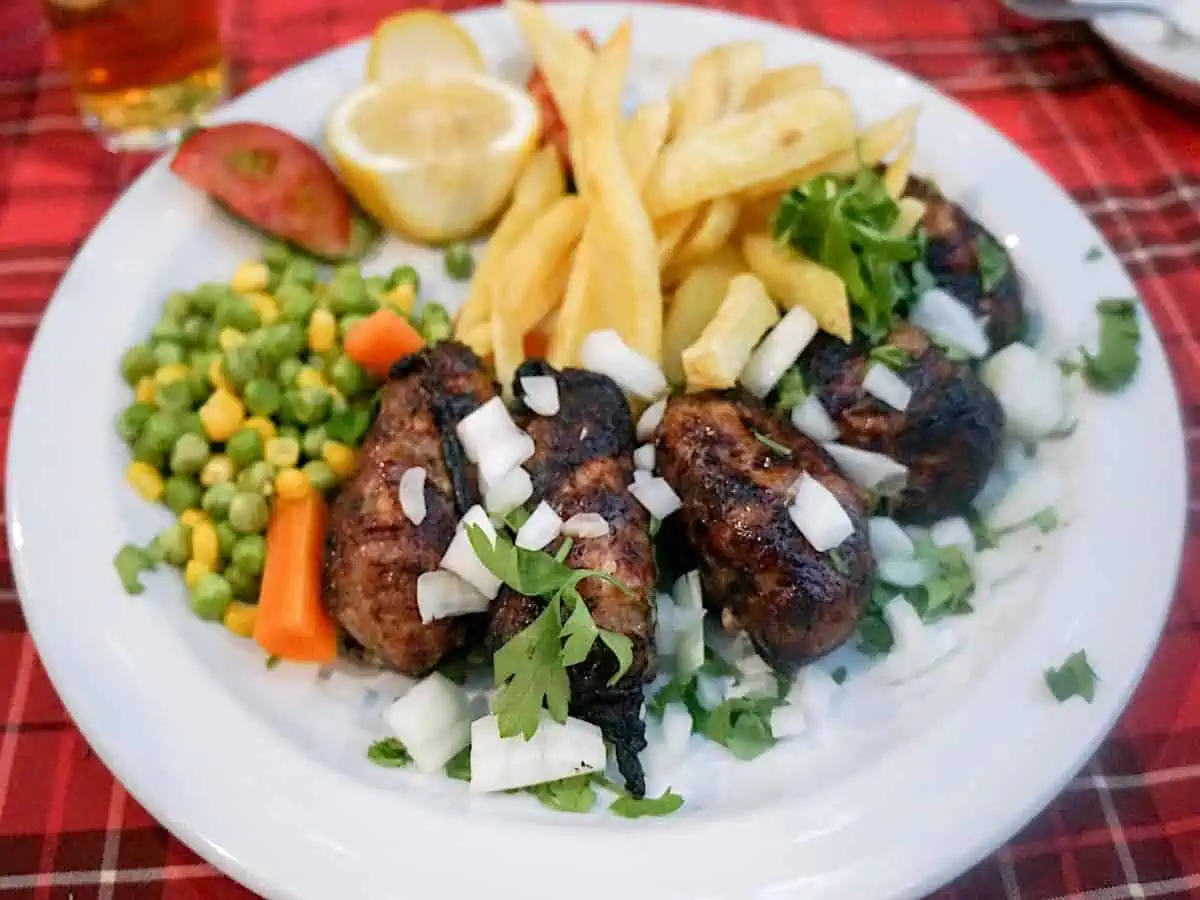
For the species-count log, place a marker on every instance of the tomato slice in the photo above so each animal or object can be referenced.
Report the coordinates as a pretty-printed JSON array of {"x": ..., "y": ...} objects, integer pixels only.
[
  {"x": 554, "y": 130},
  {"x": 273, "y": 181}
]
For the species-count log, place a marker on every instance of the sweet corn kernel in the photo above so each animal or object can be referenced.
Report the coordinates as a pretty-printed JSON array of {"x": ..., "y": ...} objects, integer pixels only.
[
  {"x": 206, "y": 549},
  {"x": 265, "y": 306},
  {"x": 264, "y": 426},
  {"x": 308, "y": 378},
  {"x": 145, "y": 479},
  {"x": 174, "y": 372},
  {"x": 240, "y": 618},
  {"x": 401, "y": 298},
  {"x": 222, "y": 414},
  {"x": 217, "y": 470},
  {"x": 322, "y": 331},
  {"x": 216, "y": 375},
  {"x": 192, "y": 517},
  {"x": 230, "y": 338},
  {"x": 250, "y": 276},
  {"x": 194, "y": 572},
  {"x": 145, "y": 390},
  {"x": 340, "y": 458},
  {"x": 291, "y": 484},
  {"x": 282, "y": 452}
]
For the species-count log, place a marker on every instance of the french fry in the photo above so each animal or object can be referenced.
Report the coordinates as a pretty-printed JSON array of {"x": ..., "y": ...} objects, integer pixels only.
[
  {"x": 696, "y": 301},
  {"x": 795, "y": 281},
  {"x": 712, "y": 231},
  {"x": 670, "y": 231},
  {"x": 757, "y": 214},
  {"x": 748, "y": 149},
  {"x": 776, "y": 84},
  {"x": 717, "y": 358},
  {"x": 912, "y": 211},
  {"x": 560, "y": 53},
  {"x": 718, "y": 82},
  {"x": 895, "y": 177}
]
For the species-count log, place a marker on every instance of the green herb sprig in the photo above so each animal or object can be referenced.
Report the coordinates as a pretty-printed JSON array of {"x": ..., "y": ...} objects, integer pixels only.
[{"x": 1074, "y": 678}]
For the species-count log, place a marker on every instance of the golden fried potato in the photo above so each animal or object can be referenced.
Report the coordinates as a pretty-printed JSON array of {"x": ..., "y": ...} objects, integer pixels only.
[
  {"x": 779, "y": 83},
  {"x": 795, "y": 281},
  {"x": 560, "y": 53},
  {"x": 696, "y": 301},
  {"x": 717, "y": 358},
  {"x": 710, "y": 234},
  {"x": 718, "y": 82},
  {"x": 895, "y": 176}
]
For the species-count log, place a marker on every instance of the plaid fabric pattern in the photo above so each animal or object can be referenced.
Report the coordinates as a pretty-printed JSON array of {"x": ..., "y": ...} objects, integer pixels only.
[{"x": 1127, "y": 827}]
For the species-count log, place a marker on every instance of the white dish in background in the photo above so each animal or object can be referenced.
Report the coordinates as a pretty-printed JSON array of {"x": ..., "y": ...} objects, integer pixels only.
[
  {"x": 264, "y": 773},
  {"x": 1167, "y": 58}
]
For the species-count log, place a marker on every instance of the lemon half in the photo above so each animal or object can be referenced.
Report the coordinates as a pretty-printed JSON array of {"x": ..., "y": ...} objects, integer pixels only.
[
  {"x": 420, "y": 42},
  {"x": 434, "y": 157}
]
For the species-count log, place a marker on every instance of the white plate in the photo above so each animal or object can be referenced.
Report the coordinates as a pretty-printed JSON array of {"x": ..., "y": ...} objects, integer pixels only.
[
  {"x": 263, "y": 773},
  {"x": 1170, "y": 61}
]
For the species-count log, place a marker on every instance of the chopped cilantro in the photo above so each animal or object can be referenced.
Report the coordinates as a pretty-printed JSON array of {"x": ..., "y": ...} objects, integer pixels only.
[
  {"x": 1069, "y": 366},
  {"x": 1046, "y": 520},
  {"x": 742, "y": 725},
  {"x": 839, "y": 675},
  {"x": 1093, "y": 254},
  {"x": 574, "y": 794},
  {"x": 984, "y": 536},
  {"x": 993, "y": 262},
  {"x": 1074, "y": 678},
  {"x": 891, "y": 356},
  {"x": 459, "y": 767},
  {"x": 774, "y": 446},
  {"x": 628, "y": 807},
  {"x": 717, "y": 666},
  {"x": 1113, "y": 367},
  {"x": 130, "y": 562},
  {"x": 791, "y": 390},
  {"x": 389, "y": 753},
  {"x": 516, "y": 518}
]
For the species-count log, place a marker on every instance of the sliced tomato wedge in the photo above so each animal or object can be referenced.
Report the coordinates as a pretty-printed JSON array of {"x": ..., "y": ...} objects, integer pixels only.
[
  {"x": 554, "y": 130},
  {"x": 273, "y": 181}
]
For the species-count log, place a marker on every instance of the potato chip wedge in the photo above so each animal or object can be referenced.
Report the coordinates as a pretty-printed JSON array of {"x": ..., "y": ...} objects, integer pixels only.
[
  {"x": 795, "y": 281},
  {"x": 717, "y": 358},
  {"x": 776, "y": 84},
  {"x": 695, "y": 303}
]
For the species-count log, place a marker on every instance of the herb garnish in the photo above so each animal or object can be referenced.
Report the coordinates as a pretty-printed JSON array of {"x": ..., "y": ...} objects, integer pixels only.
[
  {"x": 1074, "y": 678},
  {"x": 630, "y": 807},
  {"x": 993, "y": 262},
  {"x": 130, "y": 562},
  {"x": 574, "y": 794},
  {"x": 389, "y": 753},
  {"x": 1093, "y": 254},
  {"x": 742, "y": 725},
  {"x": 838, "y": 675},
  {"x": 459, "y": 767},
  {"x": 774, "y": 446},
  {"x": 891, "y": 356},
  {"x": 1113, "y": 367},
  {"x": 791, "y": 390},
  {"x": 516, "y": 518},
  {"x": 1046, "y": 520}
]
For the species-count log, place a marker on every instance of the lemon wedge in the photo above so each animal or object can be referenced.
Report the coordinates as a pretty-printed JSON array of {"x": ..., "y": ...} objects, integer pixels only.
[
  {"x": 433, "y": 158},
  {"x": 420, "y": 42}
]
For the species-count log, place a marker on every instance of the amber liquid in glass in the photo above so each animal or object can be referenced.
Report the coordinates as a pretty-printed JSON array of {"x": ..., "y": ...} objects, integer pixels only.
[{"x": 141, "y": 69}]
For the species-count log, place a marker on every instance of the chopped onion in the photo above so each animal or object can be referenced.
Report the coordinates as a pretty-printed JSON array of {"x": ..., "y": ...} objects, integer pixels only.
[
  {"x": 666, "y": 625},
  {"x": 554, "y": 752},
  {"x": 500, "y": 459},
  {"x": 656, "y": 495},
  {"x": 778, "y": 350},
  {"x": 689, "y": 624},
  {"x": 508, "y": 493},
  {"x": 641, "y": 476},
  {"x": 586, "y": 525},
  {"x": 996, "y": 565},
  {"x": 1031, "y": 390},
  {"x": 542, "y": 526},
  {"x": 460, "y": 557},
  {"x": 916, "y": 647},
  {"x": 1038, "y": 489},
  {"x": 432, "y": 720},
  {"x": 649, "y": 421},
  {"x": 815, "y": 692},
  {"x": 788, "y": 721},
  {"x": 485, "y": 427},
  {"x": 540, "y": 394},
  {"x": 818, "y": 514},
  {"x": 954, "y": 532},
  {"x": 905, "y": 573},
  {"x": 412, "y": 494},
  {"x": 643, "y": 457},
  {"x": 884, "y": 384},
  {"x": 676, "y": 729},
  {"x": 947, "y": 318},
  {"x": 606, "y": 353},
  {"x": 869, "y": 470},
  {"x": 441, "y": 595},
  {"x": 993, "y": 489},
  {"x": 888, "y": 539},
  {"x": 811, "y": 419}
]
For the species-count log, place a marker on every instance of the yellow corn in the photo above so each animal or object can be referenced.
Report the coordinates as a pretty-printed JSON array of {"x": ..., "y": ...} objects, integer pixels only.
[
  {"x": 291, "y": 484},
  {"x": 309, "y": 377},
  {"x": 282, "y": 452},
  {"x": 340, "y": 458},
  {"x": 145, "y": 479},
  {"x": 206, "y": 549},
  {"x": 264, "y": 426},
  {"x": 230, "y": 338},
  {"x": 265, "y": 306},
  {"x": 240, "y": 618},
  {"x": 192, "y": 517},
  {"x": 222, "y": 414},
  {"x": 401, "y": 298},
  {"x": 144, "y": 393},
  {"x": 194, "y": 572},
  {"x": 217, "y": 470},
  {"x": 174, "y": 372},
  {"x": 250, "y": 276},
  {"x": 322, "y": 331},
  {"x": 216, "y": 375}
]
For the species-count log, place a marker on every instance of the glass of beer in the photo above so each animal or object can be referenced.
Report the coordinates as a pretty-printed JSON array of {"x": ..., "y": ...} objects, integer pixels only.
[{"x": 142, "y": 70}]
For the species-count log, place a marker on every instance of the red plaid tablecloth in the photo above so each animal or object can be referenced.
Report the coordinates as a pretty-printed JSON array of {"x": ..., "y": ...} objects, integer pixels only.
[{"x": 1127, "y": 827}]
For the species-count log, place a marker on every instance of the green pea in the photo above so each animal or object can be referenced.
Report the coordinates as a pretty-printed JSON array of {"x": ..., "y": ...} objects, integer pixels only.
[
  {"x": 196, "y": 331},
  {"x": 211, "y": 596},
  {"x": 132, "y": 419},
  {"x": 348, "y": 292},
  {"x": 434, "y": 323},
  {"x": 137, "y": 362},
  {"x": 346, "y": 323},
  {"x": 248, "y": 513},
  {"x": 245, "y": 447},
  {"x": 250, "y": 554},
  {"x": 287, "y": 371},
  {"x": 314, "y": 440},
  {"x": 198, "y": 385},
  {"x": 181, "y": 493},
  {"x": 191, "y": 423},
  {"x": 216, "y": 500},
  {"x": 348, "y": 376},
  {"x": 174, "y": 545},
  {"x": 302, "y": 271},
  {"x": 283, "y": 452},
  {"x": 189, "y": 454},
  {"x": 160, "y": 432},
  {"x": 296, "y": 303},
  {"x": 257, "y": 478},
  {"x": 282, "y": 341},
  {"x": 234, "y": 312},
  {"x": 227, "y": 538},
  {"x": 308, "y": 405},
  {"x": 177, "y": 305},
  {"x": 177, "y": 395},
  {"x": 404, "y": 275},
  {"x": 459, "y": 261},
  {"x": 167, "y": 329},
  {"x": 320, "y": 474},
  {"x": 208, "y": 296},
  {"x": 277, "y": 255},
  {"x": 169, "y": 353},
  {"x": 261, "y": 397},
  {"x": 244, "y": 584},
  {"x": 289, "y": 432},
  {"x": 240, "y": 364}
]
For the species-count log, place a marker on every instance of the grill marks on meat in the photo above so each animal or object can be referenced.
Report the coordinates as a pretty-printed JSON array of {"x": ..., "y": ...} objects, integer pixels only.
[
  {"x": 758, "y": 571},
  {"x": 583, "y": 463},
  {"x": 374, "y": 554},
  {"x": 949, "y": 436}
]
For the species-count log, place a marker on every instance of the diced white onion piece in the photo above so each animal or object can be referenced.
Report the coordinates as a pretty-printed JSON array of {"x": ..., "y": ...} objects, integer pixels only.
[
  {"x": 1014, "y": 458},
  {"x": 606, "y": 353},
  {"x": 954, "y": 532},
  {"x": 819, "y": 515},
  {"x": 441, "y": 595},
  {"x": 905, "y": 573},
  {"x": 993, "y": 489},
  {"x": 908, "y": 631},
  {"x": 666, "y": 625},
  {"x": 485, "y": 427},
  {"x": 815, "y": 692},
  {"x": 884, "y": 384},
  {"x": 412, "y": 494},
  {"x": 643, "y": 457},
  {"x": 500, "y": 459},
  {"x": 648, "y": 422},
  {"x": 541, "y": 394},
  {"x": 641, "y": 476},
  {"x": 676, "y": 729},
  {"x": 1031, "y": 390},
  {"x": 788, "y": 721},
  {"x": 779, "y": 349},
  {"x": 1039, "y": 488},
  {"x": 656, "y": 495},
  {"x": 752, "y": 665},
  {"x": 946, "y": 317},
  {"x": 460, "y": 557},
  {"x": 811, "y": 419},
  {"x": 432, "y": 720},
  {"x": 555, "y": 751},
  {"x": 868, "y": 469},
  {"x": 586, "y": 525},
  {"x": 508, "y": 493},
  {"x": 689, "y": 619},
  {"x": 916, "y": 647},
  {"x": 996, "y": 565},
  {"x": 888, "y": 539},
  {"x": 710, "y": 690},
  {"x": 542, "y": 526}
]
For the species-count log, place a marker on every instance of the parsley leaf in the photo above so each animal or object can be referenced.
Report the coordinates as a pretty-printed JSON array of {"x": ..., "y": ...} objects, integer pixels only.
[
  {"x": 791, "y": 390},
  {"x": 628, "y": 807},
  {"x": 717, "y": 666},
  {"x": 459, "y": 767},
  {"x": 389, "y": 753},
  {"x": 1074, "y": 678},
  {"x": 948, "y": 591},
  {"x": 774, "y": 446},
  {"x": 515, "y": 519},
  {"x": 1093, "y": 254},
  {"x": 839, "y": 675},
  {"x": 130, "y": 562},
  {"x": 1046, "y": 520},
  {"x": 530, "y": 673},
  {"x": 1113, "y": 367},
  {"x": 348, "y": 426},
  {"x": 993, "y": 262},
  {"x": 679, "y": 691},
  {"x": 742, "y": 725},
  {"x": 891, "y": 356},
  {"x": 574, "y": 794}
]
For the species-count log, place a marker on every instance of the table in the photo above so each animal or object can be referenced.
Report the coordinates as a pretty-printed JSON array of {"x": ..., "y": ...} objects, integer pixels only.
[{"x": 1128, "y": 826}]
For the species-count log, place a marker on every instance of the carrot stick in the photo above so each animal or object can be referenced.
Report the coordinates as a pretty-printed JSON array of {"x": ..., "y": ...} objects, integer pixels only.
[
  {"x": 380, "y": 339},
  {"x": 292, "y": 623}
]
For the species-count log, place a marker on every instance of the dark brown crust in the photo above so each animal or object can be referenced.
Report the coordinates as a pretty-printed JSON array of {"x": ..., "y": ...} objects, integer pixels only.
[
  {"x": 759, "y": 572},
  {"x": 374, "y": 554},
  {"x": 948, "y": 436}
]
